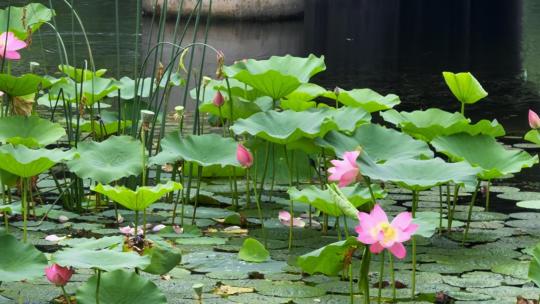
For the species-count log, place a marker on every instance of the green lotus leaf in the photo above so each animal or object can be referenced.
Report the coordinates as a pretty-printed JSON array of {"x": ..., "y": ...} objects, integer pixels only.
[
  {"x": 127, "y": 86},
  {"x": 8, "y": 179},
  {"x": 78, "y": 75},
  {"x": 330, "y": 259},
  {"x": 533, "y": 136},
  {"x": 22, "y": 85},
  {"x": 238, "y": 89},
  {"x": 109, "y": 160},
  {"x": 276, "y": 77},
  {"x": 534, "y": 267},
  {"x": 430, "y": 123},
  {"x": 485, "y": 152},
  {"x": 119, "y": 287},
  {"x": 29, "y": 131},
  {"x": 19, "y": 261},
  {"x": 306, "y": 92},
  {"x": 93, "y": 90},
  {"x": 323, "y": 200},
  {"x": 107, "y": 125},
  {"x": 427, "y": 222},
  {"x": 20, "y": 19},
  {"x": 379, "y": 142},
  {"x": 253, "y": 251},
  {"x": 139, "y": 199},
  {"x": 297, "y": 106},
  {"x": 419, "y": 175},
  {"x": 465, "y": 87},
  {"x": 367, "y": 99},
  {"x": 205, "y": 150},
  {"x": 163, "y": 258},
  {"x": 105, "y": 259},
  {"x": 530, "y": 204},
  {"x": 25, "y": 162},
  {"x": 242, "y": 108},
  {"x": 289, "y": 126},
  {"x": 342, "y": 202}
]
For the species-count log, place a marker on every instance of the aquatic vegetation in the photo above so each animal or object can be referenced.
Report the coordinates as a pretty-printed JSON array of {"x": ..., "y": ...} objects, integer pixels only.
[{"x": 9, "y": 45}]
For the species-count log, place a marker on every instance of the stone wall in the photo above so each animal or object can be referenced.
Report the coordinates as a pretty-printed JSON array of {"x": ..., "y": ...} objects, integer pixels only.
[{"x": 234, "y": 9}]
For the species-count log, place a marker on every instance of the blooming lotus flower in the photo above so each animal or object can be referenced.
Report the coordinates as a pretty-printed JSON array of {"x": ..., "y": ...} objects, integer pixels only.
[
  {"x": 219, "y": 100},
  {"x": 285, "y": 219},
  {"x": 243, "y": 156},
  {"x": 9, "y": 45},
  {"x": 375, "y": 230},
  {"x": 534, "y": 120},
  {"x": 345, "y": 171},
  {"x": 58, "y": 275}
]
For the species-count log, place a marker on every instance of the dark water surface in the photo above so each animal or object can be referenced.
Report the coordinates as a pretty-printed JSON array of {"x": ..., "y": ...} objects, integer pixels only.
[{"x": 391, "y": 46}]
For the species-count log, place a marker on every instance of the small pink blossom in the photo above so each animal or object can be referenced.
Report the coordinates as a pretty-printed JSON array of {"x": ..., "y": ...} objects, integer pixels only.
[
  {"x": 243, "y": 156},
  {"x": 63, "y": 219},
  {"x": 375, "y": 230},
  {"x": 285, "y": 219},
  {"x": 9, "y": 45},
  {"x": 159, "y": 227},
  {"x": 177, "y": 229},
  {"x": 219, "y": 100},
  {"x": 58, "y": 275},
  {"x": 128, "y": 230},
  {"x": 54, "y": 238},
  {"x": 345, "y": 171},
  {"x": 534, "y": 120}
]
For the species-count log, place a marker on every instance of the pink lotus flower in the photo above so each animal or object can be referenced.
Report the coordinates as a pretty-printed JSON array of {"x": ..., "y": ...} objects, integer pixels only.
[
  {"x": 54, "y": 238},
  {"x": 534, "y": 120},
  {"x": 345, "y": 171},
  {"x": 157, "y": 228},
  {"x": 243, "y": 156},
  {"x": 130, "y": 230},
  {"x": 9, "y": 45},
  {"x": 219, "y": 100},
  {"x": 375, "y": 230},
  {"x": 58, "y": 275},
  {"x": 285, "y": 219}
]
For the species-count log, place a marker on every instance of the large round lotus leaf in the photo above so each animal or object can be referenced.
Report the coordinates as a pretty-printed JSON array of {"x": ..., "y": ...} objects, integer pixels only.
[
  {"x": 164, "y": 257},
  {"x": 253, "y": 251},
  {"x": 210, "y": 261},
  {"x": 329, "y": 259},
  {"x": 25, "y": 162},
  {"x": 276, "y": 77},
  {"x": 290, "y": 126},
  {"x": 23, "y": 21},
  {"x": 127, "y": 86},
  {"x": 19, "y": 261},
  {"x": 292, "y": 290},
  {"x": 139, "y": 199},
  {"x": 534, "y": 268},
  {"x": 481, "y": 216},
  {"x": 22, "y": 85},
  {"x": 379, "y": 142},
  {"x": 430, "y": 123},
  {"x": 205, "y": 150},
  {"x": 323, "y": 201},
  {"x": 29, "y": 131},
  {"x": 120, "y": 287},
  {"x": 306, "y": 92},
  {"x": 367, "y": 99},
  {"x": 516, "y": 269},
  {"x": 464, "y": 86},
  {"x": 485, "y": 152},
  {"x": 532, "y": 204},
  {"x": 533, "y": 136},
  {"x": 105, "y": 259},
  {"x": 477, "y": 279},
  {"x": 109, "y": 160},
  {"x": 520, "y": 196},
  {"x": 419, "y": 174},
  {"x": 80, "y": 74}
]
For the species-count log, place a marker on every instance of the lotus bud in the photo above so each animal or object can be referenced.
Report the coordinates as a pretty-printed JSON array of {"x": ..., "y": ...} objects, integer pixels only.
[
  {"x": 243, "y": 156},
  {"x": 178, "y": 113},
  {"x": 219, "y": 100},
  {"x": 159, "y": 73},
  {"x": 534, "y": 120},
  {"x": 33, "y": 66},
  {"x": 220, "y": 63},
  {"x": 146, "y": 118},
  {"x": 58, "y": 275},
  {"x": 206, "y": 81},
  {"x": 63, "y": 219},
  {"x": 337, "y": 90}
]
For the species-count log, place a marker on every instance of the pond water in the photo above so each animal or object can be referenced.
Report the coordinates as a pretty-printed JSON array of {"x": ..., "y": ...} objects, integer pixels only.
[{"x": 392, "y": 46}]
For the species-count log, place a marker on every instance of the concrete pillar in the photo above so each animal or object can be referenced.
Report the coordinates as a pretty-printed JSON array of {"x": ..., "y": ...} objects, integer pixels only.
[{"x": 233, "y": 9}]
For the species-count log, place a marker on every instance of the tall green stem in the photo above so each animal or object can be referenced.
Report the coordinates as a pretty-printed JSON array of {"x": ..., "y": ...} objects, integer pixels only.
[
  {"x": 66, "y": 296},
  {"x": 290, "y": 202},
  {"x": 381, "y": 275},
  {"x": 392, "y": 278},
  {"x": 363, "y": 280},
  {"x": 471, "y": 205},
  {"x": 97, "y": 285},
  {"x": 25, "y": 207},
  {"x": 413, "y": 279},
  {"x": 487, "y": 194}
]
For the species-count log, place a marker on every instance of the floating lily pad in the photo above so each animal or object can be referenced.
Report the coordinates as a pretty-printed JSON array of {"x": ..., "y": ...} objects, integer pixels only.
[
  {"x": 517, "y": 269},
  {"x": 520, "y": 196},
  {"x": 253, "y": 251},
  {"x": 477, "y": 279},
  {"x": 481, "y": 216},
  {"x": 532, "y": 204},
  {"x": 105, "y": 259},
  {"x": 292, "y": 290}
]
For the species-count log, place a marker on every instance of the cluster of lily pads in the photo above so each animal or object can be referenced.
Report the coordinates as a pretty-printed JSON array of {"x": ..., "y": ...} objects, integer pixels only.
[{"x": 281, "y": 152}]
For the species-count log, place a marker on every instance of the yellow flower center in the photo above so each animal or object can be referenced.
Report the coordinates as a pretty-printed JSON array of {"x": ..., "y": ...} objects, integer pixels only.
[{"x": 389, "y": 233}]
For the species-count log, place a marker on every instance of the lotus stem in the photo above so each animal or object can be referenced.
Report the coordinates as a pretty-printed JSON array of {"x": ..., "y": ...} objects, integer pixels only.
[
  {"x": 454, "y": 202},
  {"x": 235, "y": 184},
  {"x": 188, "y": 193},
  {"x": 222, "y": 122},
  {"x": 487, "y": 194},
  {"x": 351, "y": 286},
  {"x": 25, "y": 208},
  {"x": 346, "y": 227},
  {"x": 336, "y": 226},
  {"x": 265, "y": 169},
  {"x": 66, "y": 296},
  {"x": 440, "y": 209},
  {"x": 392, "y": 278},
  {"x": 463, "y": 108},
  {"x": 363, "y": 280},
  {"x": 367, "y": 180},
  {"x": 381, "y": 274},
  {"x": 231, "y": 104},
  {"x": 248, "y": 190},
  {"x": 195, "y": 205},
  {"x": 469, "y": 215},
  {"x": 291, "y": 206},
  {"x": 413, "y": 279},
  {"x": 97, "y": 285},
  {"x": 259, "y": 210}
]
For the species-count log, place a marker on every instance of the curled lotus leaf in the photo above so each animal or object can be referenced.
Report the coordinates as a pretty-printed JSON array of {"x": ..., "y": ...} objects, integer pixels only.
[
  {"x": 430, "y": 123},
  {"x": 29, "y": 131},
  {"x": 25, "y": 20},
  {"x": 367, "y": 99},
  {"x": 109, "y": 160},
  {"x": 290, "y": 126},
  {"x": 485, "y": 152},
  {"x": 465, "y": 87},
  {"x": 205, "y": 150},
  {"x": 80, "y": 74},
  {"x": 278, "y": 76},
  {"x": 139, "y": 199},
  {"x": 25, "y": 162},
  {"x": 330, "y": 259},
  {"x": 379, "y": 142},
  {"x": 533, "y": 136},
  {"x": 22, "y": 85}
]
